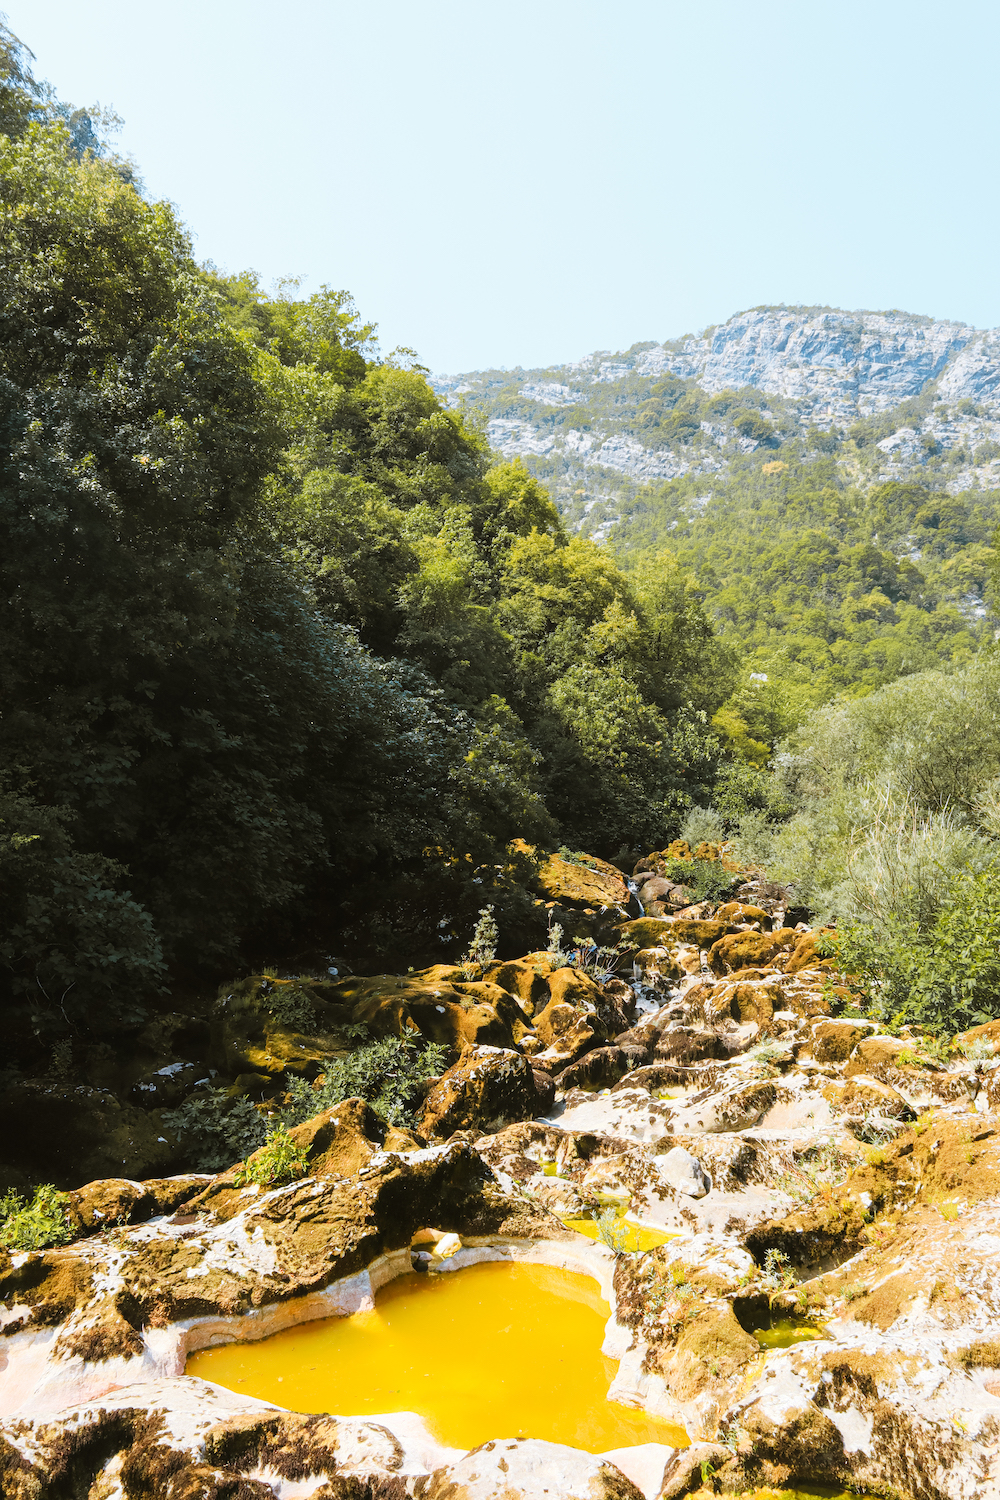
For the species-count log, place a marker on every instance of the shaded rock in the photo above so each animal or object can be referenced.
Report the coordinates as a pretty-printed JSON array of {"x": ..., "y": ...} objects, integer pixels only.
[
  {"x": 79, "y": 1132},
  {"x": 659, "y": 889},
  {"x": 166, "y": 1086},
  {"x": 487, "y": 1089},
  {"x": 595, "y": 1070}
]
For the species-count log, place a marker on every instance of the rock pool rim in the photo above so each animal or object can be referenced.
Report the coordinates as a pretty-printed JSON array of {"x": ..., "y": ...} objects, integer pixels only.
[
  {"x": 466, "y": 1354},
  {"x": 33, "y": 1381}
]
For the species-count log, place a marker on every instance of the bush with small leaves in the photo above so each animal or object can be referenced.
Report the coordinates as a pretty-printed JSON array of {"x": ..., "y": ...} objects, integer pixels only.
[
  {"x": 387, "y": 1073},
  {"x": 278, "y": 1161},
  {"x": 35, "y": 1225},
  {"x": 216, "y": 1130}
]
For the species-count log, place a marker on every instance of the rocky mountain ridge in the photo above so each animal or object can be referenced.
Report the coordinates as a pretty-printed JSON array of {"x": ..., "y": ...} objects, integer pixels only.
[{"x": 896, "y": 394}]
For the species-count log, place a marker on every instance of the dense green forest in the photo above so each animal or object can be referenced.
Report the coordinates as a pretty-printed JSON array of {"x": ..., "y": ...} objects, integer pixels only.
[
  {"x": 288, "y": 659},
  {"x": 292, "y": 662},
  {"x": 822, "y": 585}
]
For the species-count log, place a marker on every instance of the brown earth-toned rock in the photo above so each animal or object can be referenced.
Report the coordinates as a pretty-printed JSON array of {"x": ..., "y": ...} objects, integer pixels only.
[
  {"x": 487, "y": 1089},
  {"x": 743, "y": 949},
  {"x": 593, "y": 884}
]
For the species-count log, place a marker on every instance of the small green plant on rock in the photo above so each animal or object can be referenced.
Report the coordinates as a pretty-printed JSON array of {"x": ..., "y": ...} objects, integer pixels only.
[
  {"x": 612, "y": 1232},
  {"x": 555, "y": 948},
  {"x": 599, "y": 962},
  {"x": 778, "y": 1274},
  {"x": 35, "y": 1225},
  {"x": 482, "y": 949},
  {"x": 278, "y": 1161}
]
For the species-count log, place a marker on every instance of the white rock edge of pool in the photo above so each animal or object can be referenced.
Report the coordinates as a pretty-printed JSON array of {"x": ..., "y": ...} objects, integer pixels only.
[{"x": 33, "y": 1381}]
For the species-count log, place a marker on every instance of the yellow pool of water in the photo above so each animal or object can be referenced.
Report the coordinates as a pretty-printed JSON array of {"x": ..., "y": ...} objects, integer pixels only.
[
  {"x": 784, "y": 1332},
  {"x": 637, "y": 1236},
  {"x": 492, "y": 1351}
]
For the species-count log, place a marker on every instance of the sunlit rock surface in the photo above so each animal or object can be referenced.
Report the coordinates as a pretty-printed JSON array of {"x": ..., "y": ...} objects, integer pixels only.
[{"x": 808, "y": 1168}]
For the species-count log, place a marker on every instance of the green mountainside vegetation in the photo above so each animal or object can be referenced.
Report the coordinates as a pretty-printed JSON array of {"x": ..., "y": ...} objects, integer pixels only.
[
  {"x": 288, "y": 658},
  {"x": 822, "y": 585},
  {"x": 295, "y": 667}
]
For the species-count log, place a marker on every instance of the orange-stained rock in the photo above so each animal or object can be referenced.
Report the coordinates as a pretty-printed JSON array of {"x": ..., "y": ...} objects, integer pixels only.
[
  {"x": 564, "y": 881},
  {"x": 487, "y": 1089},
  {"x": 741, "y": 949}
]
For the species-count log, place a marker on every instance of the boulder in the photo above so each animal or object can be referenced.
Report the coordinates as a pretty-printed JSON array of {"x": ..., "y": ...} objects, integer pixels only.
[
  {"x": 594, "y": 884},
  {"x": 744, "y": 949},
  {"x": 862, "y": 1095},
  {"x": 876, "y": 1056},
  {"x": 595, "y": 1070},
  {"x": 743, "y": 1001},
  {"x": 834, "y": 1041},
  {"x": 655, "y": 932},
  {"x": 162, "y": 1088},
  {"x": 804, "y": 954},
  {"x": 525, "y": 978},
  {"x": 529, "y": 1469},
  {"x": 742, "y": 912},
  {"x": 735, "y": 1108},
  {"x": 659, "y": 889},
  {"x": 683, "y": 1172},
  {"x": 488, "y": 1088},
  {"x": 110, "y": 1201},
  {"x": 78, "y": 1132}
]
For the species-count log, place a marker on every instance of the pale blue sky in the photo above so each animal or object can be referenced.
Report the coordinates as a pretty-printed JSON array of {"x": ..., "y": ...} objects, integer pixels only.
[{"x": 521, "y": 183}]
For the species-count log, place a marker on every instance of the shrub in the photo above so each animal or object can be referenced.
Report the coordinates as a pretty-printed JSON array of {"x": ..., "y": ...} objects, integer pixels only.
[
  {"x": 288, "y": 1004},
  {"x": 216, "y": 1130},
  {"x": 279, "y": 1160},
  {"x": 702, "y": 825},
  {"x": 35, "y": 1225},
  {"x": 706, "y": 879},
  {"x": 387, "y": 1073},
  {"x": 612, "y": 1232},
  {"x": 943, "y": 973}
]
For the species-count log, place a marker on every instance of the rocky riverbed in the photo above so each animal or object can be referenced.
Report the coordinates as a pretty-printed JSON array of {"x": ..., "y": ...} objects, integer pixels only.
[{"x": 816, "y": 1174}]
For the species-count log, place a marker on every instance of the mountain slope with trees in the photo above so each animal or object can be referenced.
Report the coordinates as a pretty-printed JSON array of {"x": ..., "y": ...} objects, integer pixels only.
[{"x": 288, "y": 657}]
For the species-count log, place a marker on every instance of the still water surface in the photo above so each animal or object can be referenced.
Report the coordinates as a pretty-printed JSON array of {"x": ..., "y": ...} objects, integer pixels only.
[{"x": 491, "y": 1351}]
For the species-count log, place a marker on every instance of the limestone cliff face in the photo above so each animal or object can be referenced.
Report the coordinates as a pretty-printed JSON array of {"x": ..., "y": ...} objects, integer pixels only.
[
  {"x": 814, "y": 373},
  {"x": 838, "y": 365}
]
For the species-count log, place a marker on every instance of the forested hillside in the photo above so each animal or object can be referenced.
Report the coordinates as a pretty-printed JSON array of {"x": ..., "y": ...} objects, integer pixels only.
[
  {"x": 288, "y": 657},
  {"x": 829, "y": 479}
]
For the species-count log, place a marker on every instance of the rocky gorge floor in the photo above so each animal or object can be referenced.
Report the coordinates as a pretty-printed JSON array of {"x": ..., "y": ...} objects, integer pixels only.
[{"x": 817, "y": 1175}]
